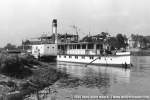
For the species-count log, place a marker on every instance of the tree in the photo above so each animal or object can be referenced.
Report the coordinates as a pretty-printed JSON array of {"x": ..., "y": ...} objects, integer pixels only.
[
  {"x": 139, "y": 41},
  {"x": 9, "y": 46},
  {"x": 104, "y": 35},
  {"x": 112, "y": 41},
  {"x": 87, "y": 39},
  {"x": 122, "y": 41},
  {"x": 97, "y": 38}
]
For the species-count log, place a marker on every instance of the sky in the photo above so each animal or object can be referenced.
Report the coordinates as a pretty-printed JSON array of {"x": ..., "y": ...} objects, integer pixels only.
[{"x": 24, "y": 19}]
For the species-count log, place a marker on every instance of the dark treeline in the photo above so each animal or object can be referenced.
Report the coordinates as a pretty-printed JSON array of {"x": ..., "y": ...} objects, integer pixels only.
[
  {"x": 120, "y": 40},
  {"x": 10, "y": 46},
  {"x": 115, "y": 42},
  {"x": 140, "y": 41}
]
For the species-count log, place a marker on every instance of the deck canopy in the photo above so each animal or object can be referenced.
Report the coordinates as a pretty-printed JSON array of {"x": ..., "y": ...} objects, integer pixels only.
[{"x": 80, "y": 45}]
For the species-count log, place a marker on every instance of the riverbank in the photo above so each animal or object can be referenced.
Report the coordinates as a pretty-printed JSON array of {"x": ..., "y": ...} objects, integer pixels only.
[
  {"x": 21, "y": 75},
  {"x": 99, "y": 81},
  {"x": 139, "y": 52}
]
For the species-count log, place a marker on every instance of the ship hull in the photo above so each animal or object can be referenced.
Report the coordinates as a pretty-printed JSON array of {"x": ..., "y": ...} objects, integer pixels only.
[{"x": 115, "y": 60}]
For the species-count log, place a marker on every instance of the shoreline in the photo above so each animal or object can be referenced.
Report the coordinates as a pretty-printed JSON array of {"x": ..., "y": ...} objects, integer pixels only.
[
  {"x": 15, "y": 88},
  {"x": 32, "y": 86}
]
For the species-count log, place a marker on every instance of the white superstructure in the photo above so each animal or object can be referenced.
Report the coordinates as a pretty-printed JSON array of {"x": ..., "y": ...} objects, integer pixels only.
[
  {"x": 91, "y": 53},
  {"x": 44, "y": 48},
  {"x": 40, "y": 50}
]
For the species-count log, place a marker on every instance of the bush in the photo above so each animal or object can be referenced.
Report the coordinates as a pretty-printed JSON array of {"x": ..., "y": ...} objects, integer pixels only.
[{"x": 16, "y": 65}]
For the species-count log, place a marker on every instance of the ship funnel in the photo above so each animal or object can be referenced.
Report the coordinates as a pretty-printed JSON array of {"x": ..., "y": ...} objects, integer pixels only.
[{"x": 54, "y": 29}]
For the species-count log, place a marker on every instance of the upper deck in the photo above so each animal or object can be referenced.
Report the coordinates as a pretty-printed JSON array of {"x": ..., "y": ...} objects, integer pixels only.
[{"x": 80, "y": 48}]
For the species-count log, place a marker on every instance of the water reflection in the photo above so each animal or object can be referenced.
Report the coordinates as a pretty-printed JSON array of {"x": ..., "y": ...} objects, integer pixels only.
[
  {"x": 92, "y": 71},
  {"x": 98, "y": 77},
  {"x": 140, "y": 62}
]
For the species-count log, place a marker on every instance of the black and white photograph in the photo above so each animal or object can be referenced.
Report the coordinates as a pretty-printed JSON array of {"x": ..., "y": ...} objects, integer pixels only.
[{"x": 74, "y": 49}]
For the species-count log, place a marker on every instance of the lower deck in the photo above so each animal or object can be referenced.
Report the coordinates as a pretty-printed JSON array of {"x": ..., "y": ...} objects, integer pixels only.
[{"x": 120, "y": 60}]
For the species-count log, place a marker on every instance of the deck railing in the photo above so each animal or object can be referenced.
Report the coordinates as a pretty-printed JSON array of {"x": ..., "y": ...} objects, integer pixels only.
[{"x": 80, "y": 52}]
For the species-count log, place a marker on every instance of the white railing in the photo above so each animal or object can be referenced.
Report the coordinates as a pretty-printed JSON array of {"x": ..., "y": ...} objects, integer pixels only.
[{"x": 82, "y": 51}]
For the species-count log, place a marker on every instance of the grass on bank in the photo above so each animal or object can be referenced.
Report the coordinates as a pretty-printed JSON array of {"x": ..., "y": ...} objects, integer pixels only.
[{"x": 26, "y": 78}]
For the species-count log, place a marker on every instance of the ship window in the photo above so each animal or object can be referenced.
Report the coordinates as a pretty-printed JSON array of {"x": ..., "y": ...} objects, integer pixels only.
[
  {"x": 64, "y": 56},
  {"x": 76, "y": 57},
  {"x": 98, "y": 46},
  {"x": 90, "y": 46},
  {"x": 70, "y": 56},
  {"x": 48, "y": 47},
  {"x": 58, "y": 46},
  {"x": 70, "y": 46},
  {"x": 83, "y": 57},
  {"x": 91, "y": 57},
  {"x": 65, "y": 46},
  {"x": 59, "y": 56},
  {"x": 78, "y": 46},
  {"x": 84, "y": 46},
  {"x": 74, "y": 46}
]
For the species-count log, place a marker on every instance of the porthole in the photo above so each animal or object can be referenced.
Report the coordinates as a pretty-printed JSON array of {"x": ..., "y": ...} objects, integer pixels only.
[
  {"x": 99, "y": 57},
  {"x": 76, "y": 57},
  {"x": 83, "y": 57}
]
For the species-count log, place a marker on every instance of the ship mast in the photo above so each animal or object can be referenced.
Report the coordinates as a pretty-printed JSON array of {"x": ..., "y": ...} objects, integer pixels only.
[{"x": 76, "y": 30}]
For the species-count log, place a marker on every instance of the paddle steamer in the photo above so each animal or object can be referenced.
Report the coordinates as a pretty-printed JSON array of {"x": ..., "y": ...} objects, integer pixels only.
[{"x": 68, "y": 48}]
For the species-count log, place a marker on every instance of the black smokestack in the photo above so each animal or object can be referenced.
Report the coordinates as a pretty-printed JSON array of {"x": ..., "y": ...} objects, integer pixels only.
[
  {"x": 55, "y": 22},
  {"x": 54, "y": 29}
]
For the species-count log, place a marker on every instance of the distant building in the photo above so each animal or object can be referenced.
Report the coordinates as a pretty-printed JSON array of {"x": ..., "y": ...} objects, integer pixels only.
[{"x": 138, "y": 41}]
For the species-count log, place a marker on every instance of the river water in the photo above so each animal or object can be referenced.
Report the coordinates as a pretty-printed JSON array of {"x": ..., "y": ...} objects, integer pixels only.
[{"x": 94, "y": 80}]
